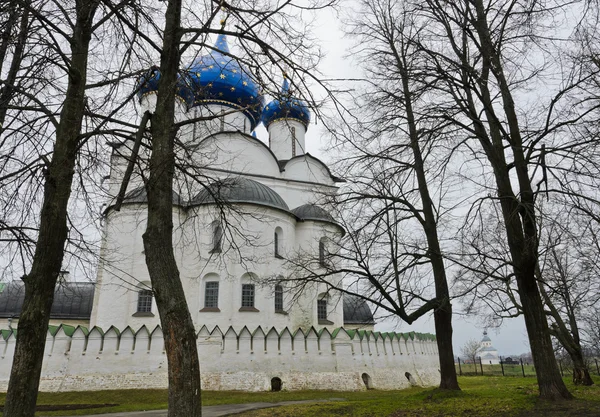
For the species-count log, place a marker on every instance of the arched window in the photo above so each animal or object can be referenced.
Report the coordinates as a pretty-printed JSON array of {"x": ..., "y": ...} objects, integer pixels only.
[
  {"x": 322, "y": 309},
  {"x": 211, "y": 294},
  {"x": 322, "y": 252},
  {"x": 277, "y": 238},
  {"x": 247, "y": 295},
  {"x": 217, "y": 236},
  {"x": 278, "y": 298},
  {"x": 144, "y": 303}
]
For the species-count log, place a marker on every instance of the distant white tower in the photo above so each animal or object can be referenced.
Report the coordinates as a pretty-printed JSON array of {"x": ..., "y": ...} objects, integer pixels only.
[{"x": 488, "y": 353}]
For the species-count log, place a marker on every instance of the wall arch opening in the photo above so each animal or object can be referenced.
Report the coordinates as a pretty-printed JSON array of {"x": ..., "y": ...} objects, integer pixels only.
[
  {"x": 367, "y": 381},
  {"x": 410, "y": 378},
  {"x": 276, "y": 384}
]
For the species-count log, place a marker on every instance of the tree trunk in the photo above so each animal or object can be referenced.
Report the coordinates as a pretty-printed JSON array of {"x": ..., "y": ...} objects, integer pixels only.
[
  {"x": 519, "y": 213},
  {"x": 442, "y": 315},
  {"x": 15, "y": 65},
  {"x": 178, "y": 328},
  {"x": 581, "y": 374},
  {"x": 41, "y": 280},
  {"x": 443, "y": 333},
  {"x": 551, "y": 385}
]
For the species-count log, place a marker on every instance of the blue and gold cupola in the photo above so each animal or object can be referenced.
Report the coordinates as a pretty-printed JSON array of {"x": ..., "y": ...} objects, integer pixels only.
[
  {"x": 218, "y": 78},
  {"x": 148, "y": 84},
  {"x": 215, "y": 78},
  {"x": 286, "y": 107}
]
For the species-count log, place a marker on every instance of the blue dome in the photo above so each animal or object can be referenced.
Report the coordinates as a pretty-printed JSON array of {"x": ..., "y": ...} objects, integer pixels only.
[
  {"x": 218, "y": 78},
  {"x": 148, "y": 84},
  {"x": 287, "y": 108}
]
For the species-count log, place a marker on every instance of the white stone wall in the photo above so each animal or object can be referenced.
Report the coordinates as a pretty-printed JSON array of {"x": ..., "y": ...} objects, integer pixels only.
[
  {"x": 247, "y": 255},
  {"x": 286, "y": 138},
  {"x": 76, "y": 360}
]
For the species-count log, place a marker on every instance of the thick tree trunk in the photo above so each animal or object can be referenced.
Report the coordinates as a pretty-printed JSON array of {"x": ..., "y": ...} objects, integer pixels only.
[
  {"x": 41, "y": 280},
  {"x": 178, "y": 328},
  {"x": 550, "y": 383},
  {"x": 443, "y": 333},
  {"x": 581, "y": 374}
]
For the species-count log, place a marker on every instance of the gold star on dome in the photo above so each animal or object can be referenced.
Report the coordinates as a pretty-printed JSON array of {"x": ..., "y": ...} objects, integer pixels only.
[
  {"x": 210, "y": 85},
  {"x": 198, "y": 74},
  {"x": 235, "y": 71},
  {"x": 220, "y": 94},
  {"x": 222, "y": 76},
  {"x": 267, "y": 108},
  {"x": 222, "y": 62},
  {"x": 211, "y": 66},
  {"x": 244, "y": 83},
  {"x": 232, "y": 88}
]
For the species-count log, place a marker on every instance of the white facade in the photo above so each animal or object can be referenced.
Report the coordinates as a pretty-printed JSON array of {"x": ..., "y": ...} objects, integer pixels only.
[{"x": 247, "y": 255}]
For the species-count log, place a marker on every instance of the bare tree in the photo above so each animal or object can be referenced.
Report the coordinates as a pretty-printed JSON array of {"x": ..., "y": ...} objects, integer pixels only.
[
  {"x": 41, "y": 280},
  {"x": 473, "y": 55},
  {"x": 470, "y": 45},
  {"x": 390, "y": 208},
  {"x": 470, "y": 350},
  {"x": 566, "y": 274}
]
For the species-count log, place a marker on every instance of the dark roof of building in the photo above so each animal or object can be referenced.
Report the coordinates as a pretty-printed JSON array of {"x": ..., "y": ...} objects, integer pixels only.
[
  {"x": 139, "y": 195},
  {"x": 240, "y": 190},
  {"x": 357, "y": 311},
  {"x": 313, "y": 212},
  {"x": 72, "y": 300}
]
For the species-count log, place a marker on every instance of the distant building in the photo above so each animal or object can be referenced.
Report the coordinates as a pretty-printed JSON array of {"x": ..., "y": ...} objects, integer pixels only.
[{"x": 488, "y": 353}]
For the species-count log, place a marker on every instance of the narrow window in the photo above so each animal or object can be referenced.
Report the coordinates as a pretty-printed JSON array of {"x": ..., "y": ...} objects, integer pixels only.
[
  {"x": 222, "y": 118},
  {"x": 322, "y": 309},
  {"x": 293, "y": 129},
  {"x": 277, "y": 242},
  {"x": 217, "y": 237},
  {"x": 322, "y": 257},
  {"x": 247, "y": 295},
  {"x": 278, "y": 299},
  {"x": 211, "y": 294},
  {"x": 144, "y": 304}
]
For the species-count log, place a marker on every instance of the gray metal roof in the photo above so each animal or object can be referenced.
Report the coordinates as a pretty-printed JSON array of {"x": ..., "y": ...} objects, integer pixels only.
[
  {"x": 488, "y": 349},
  {"x": 313, "y": 212},
  {"x": 72, "y": 300},
  {"x": 357, "y": 311},
  {"x": 139, "y": 195},
  {"x": 240, "y": 190}
]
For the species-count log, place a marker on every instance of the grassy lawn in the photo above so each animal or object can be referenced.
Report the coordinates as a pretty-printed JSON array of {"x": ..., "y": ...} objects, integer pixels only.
[{"x": 480, "y": 396}]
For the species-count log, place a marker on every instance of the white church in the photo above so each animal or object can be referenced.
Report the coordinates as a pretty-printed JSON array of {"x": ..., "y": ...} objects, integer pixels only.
[
  {"x": 243, "y": 228},
  {"x": 255, "y": 208}
]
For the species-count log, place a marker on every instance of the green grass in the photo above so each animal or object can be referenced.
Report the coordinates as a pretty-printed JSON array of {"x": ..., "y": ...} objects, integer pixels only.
[{"x": 480, "y": 396}]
